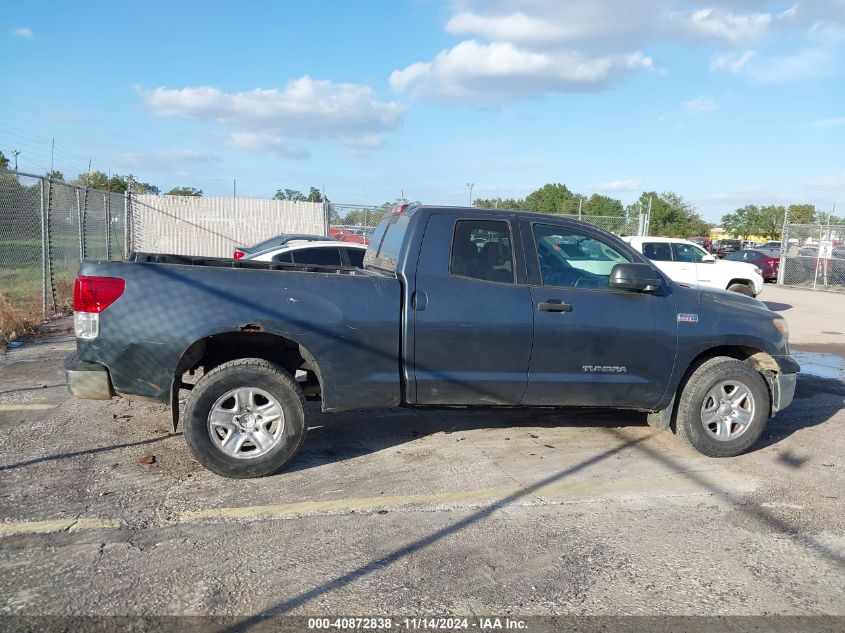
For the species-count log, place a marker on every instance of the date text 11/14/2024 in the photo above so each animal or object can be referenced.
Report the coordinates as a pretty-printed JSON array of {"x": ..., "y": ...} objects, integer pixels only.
[{"x": 418, "y": 623}]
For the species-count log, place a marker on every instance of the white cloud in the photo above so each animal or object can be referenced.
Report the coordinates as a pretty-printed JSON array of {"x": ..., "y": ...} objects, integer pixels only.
[
  {"x": 831, "y": 122},
  {"x": 831, "y": 183},
  {"x": 264, "y": 120},
  {"x": 731, "y": 63},
  {"x": 264, "y": 143},
  {"x": 23, "y": 31},
  {"x": 702, "y": 103},
  {"x": 515, "y": 49},
  {"x": 476, "y": 72},
  {"x": 624, "y": 185},
  {"x": 806, "y": 63},
  {"x": 164, "y": 160}
]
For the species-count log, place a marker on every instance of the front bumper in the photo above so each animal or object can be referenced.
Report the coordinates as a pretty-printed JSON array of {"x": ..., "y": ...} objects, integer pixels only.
[
  {"x": 784, "y": 391},
  {"x": 88, "y": 381}
]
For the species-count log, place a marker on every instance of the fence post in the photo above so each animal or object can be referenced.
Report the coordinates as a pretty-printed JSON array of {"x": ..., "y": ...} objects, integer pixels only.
[
  {"x": 107, "y": 214},
  {"x": 79, "y": 221},
  {"x": 43, "y": 253},
  {"x": 126, "y": 214},
  {"x": 784, "y": 247}
]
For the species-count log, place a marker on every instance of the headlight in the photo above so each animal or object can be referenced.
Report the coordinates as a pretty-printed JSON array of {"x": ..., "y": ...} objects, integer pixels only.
[
  {"x": 758, "y": 271},
  {"x": 782, "y": 326}
]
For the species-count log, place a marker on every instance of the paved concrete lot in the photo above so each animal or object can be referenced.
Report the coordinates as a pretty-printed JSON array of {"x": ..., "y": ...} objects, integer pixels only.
[{"x": 424, "y": 511}]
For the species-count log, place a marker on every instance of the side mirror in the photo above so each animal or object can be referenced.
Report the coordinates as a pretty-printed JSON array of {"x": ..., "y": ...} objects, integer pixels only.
[
  {"x": 708, "y": 259},
  {"x": 637, "y": 277}
]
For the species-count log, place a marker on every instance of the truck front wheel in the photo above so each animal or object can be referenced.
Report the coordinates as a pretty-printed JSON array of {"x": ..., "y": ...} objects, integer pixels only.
[
  {"x": 245, "y": 418},
  {"x": 723, "y": 408}
]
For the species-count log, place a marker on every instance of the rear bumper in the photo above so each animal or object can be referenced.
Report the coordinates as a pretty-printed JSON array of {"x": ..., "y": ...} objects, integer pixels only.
[
  {"x": 783, "y": 392},
  {"x": 88, "y": 381}
]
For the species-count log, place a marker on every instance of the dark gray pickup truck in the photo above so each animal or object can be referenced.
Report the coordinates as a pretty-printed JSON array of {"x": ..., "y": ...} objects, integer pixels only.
[{"x": 453, "y": 307}]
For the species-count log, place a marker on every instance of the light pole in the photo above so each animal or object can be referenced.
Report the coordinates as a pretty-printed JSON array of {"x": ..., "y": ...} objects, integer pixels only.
[{"x": 470, "y": 185}]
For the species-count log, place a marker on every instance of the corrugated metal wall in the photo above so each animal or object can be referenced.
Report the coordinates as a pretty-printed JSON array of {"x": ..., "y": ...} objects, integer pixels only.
[{"x": 214, "y": 227}]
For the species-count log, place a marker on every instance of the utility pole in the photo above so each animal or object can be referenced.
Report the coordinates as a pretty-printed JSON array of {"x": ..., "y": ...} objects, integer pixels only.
[
  {"x": 15, "y": 153},
  {"x": 52, "y": 152},
  {"x": 470, "y": 185}
]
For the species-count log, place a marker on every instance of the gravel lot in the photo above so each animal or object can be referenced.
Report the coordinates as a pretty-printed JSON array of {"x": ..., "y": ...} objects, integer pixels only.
[{"x": 425, "y": 512}]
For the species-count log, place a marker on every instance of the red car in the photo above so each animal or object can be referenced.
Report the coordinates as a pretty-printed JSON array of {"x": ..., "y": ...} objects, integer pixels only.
[{"x": 764, "y": 260}]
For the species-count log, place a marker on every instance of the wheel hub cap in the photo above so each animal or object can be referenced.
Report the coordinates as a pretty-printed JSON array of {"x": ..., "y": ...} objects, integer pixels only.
[
  {"x": 728, "y": 410},
  {"x": 246, "y": 423}
]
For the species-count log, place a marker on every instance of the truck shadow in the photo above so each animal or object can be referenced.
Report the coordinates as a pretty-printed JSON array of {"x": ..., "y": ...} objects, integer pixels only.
[
  {"x": 777, "y": 307},
  {"x": 336, "y": 437}
]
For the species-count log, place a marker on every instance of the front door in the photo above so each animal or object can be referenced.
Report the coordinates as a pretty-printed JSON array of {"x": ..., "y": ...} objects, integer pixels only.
[
  {"x": 472, "y": 321},
  {"x": 593, "y": 345}
]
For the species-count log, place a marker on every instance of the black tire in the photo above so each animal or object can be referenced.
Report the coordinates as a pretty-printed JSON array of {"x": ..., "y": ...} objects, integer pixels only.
[
  {"x": 688, "y": 423},
  {"x": 245, "y": 372},
  {"x": 742, "y": 289}
]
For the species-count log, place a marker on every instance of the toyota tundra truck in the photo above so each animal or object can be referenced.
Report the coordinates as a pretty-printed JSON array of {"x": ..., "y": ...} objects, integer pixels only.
[{"x": 453, "y": 307}]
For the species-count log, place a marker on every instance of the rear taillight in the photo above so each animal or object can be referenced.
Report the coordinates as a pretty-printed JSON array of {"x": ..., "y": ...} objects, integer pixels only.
[
  {"x": 238, "y": 254},
  {"x": 92, "y": 295}
]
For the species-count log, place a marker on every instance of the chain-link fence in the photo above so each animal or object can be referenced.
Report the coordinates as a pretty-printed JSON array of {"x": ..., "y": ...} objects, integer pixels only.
[
  {"x": 813, "y": 256},
  {"x": 46, "y": 228}
]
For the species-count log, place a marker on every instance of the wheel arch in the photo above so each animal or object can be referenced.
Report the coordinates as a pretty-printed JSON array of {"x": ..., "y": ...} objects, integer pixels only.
[
  {"x": 761, "y": 360},
  {"x": 249, "y": 341}
]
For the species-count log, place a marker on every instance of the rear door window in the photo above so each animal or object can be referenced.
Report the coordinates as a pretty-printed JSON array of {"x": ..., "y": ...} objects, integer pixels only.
[
  {"x": 658, "y": 251},
  {"x": 283, "y": 258},
  {"x": 481, "y": 249}
]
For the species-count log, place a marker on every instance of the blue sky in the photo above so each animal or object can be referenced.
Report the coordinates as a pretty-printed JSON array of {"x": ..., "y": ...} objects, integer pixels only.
[{"x": 726, "y": 103}]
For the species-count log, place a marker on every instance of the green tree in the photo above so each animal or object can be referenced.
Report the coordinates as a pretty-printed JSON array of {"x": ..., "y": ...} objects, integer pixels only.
[
  {"x": 184, "y": 191},
  {"x": 55, "y": 175},
  {"x": 4, "y": 162},
  {"x": 498, "y": 203},
  {"x": 801, "y": 213},
  {"x": 315, "y": 195},
  {"x": 115, "y": 183},
  {"x": 602, "y": 205},
  {"x": 552, "y": 198},
  {"x": 289, "y": 194},
  {"x": 671, "y": 215}
]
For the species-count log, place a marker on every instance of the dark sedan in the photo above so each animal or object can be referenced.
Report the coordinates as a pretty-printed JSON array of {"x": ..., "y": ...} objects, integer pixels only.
[
  {"x": 762, "y": 259},
  {"x": 727, "y": 247}
]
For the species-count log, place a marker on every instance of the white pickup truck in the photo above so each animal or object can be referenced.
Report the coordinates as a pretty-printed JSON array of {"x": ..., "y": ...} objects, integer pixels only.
[{"x": 688, "y": 263}]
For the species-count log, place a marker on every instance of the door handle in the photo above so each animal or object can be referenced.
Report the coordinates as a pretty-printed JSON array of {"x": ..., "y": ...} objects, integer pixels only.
[
  {"x": 554, "y": 305},
  {"x": 419, "y": 300}
]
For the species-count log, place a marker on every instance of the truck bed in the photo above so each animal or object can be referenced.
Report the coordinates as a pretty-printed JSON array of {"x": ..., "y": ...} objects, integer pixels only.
[{"x": 345, "y": 319}]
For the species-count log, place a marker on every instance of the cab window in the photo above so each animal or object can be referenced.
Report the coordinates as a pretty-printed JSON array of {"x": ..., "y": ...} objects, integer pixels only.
[
  {"x": 573, "y": 259},
  {"x": 481, "y": 249}
]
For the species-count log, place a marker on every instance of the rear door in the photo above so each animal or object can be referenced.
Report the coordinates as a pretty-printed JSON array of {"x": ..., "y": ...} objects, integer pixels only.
[
  {"x": 472, "y": 319},
  {"x": 593, "y": 345}
]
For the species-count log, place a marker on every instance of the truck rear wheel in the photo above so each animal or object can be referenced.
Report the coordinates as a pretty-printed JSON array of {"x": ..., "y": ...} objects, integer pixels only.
[
  {"x": 723, "y": 408},
  {"x": 245, "y": 418}
]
